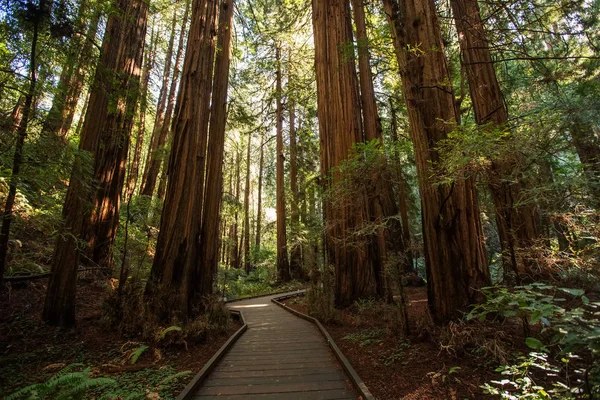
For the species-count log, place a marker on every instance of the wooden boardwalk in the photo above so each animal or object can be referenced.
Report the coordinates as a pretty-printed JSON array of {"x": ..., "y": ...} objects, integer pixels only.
[{"x": 280, "y": 357}]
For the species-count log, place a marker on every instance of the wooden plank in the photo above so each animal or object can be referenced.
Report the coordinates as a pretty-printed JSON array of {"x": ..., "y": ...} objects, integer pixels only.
[
  {"x": 278, "y": 362},
  {"x": 269, "y": 367},
  {"x": 267, "y": 380},
  {"x": 271, "y": 388},
  {"x": 271, "y": 373},
  {"x": 320, "y": 395}
]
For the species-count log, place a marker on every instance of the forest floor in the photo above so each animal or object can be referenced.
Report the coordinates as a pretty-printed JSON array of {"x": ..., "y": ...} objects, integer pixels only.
[
  {"x": 31, "y": 352},
  {"x": 428, "y": 364}
]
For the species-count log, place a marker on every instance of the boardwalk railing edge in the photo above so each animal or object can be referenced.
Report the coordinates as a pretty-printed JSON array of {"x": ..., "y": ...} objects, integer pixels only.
[
  {"x": 358, "y": 383},
  {"x": 264, "y": 295},
  {"x": 197, "y": 381}
]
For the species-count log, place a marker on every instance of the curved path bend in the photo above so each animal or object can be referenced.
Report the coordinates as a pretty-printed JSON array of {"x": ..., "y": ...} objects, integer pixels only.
[{"x": 279, "y": 357}]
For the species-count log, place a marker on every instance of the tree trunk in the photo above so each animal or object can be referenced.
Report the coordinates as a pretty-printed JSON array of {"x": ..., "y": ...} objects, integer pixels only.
[
  {"x": 21, "y": 131},
  {"x": 235, "y": 253},
  {"x": 176, "y": 275},
  {"x": 164, "y": 109},
  {"x": 401, "y": 188},
  {"x": 247, "y": 265},
  {"x": 166, "y": 128},
  {"x": 296, "y": 249},
  {"x": 111, "y": 155},
  {"x": 283, "y": 265},
  {"x": 105, "y": 134},
  {"x": 71, "y": 82},
  {"x": 383, "y": 204},
  {"x": 340, "y": 127},
  {"x": 517, "y": 224},
  {"x": 260, "y": 184},
  {"x": 454, "y": 250},
  {"x": 587, "y": 146},
  {"x": 141, "y": 131},
  {"x": 210, "y": 235}
]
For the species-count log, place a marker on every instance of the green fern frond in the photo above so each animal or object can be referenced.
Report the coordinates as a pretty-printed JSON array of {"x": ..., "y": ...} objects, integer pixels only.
[
  {"x": 169, "y": 329},
  {"x": 138, "y": 353},
  {"x": 174, "y": 377}
]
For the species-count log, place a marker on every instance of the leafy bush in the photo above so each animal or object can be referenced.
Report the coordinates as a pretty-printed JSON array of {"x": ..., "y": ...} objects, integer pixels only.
[{"x": 569, "y": 333}]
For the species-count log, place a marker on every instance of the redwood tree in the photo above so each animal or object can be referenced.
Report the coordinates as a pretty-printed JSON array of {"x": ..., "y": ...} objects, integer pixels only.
[
  {"x": 517, "y": 221},
  {"x": 453, "y": 237},
  {"x": 340, "y": 127},
  {"x": 214, "y": 170},
  {"x": 283, "y": 265},
  {"x": 106, "y": 136},
  {"x": 177, "y": 279}
]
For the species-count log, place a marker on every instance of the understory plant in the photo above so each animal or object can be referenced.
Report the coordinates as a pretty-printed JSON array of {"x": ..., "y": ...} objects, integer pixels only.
[{"x": 562, "y": 327}]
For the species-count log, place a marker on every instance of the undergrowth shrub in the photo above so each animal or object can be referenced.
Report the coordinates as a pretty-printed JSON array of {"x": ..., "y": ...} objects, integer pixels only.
[
  {"x": 562, "y": 326},
  {"x": 73, "y": 382},
  {"x": 320, "y": 297}
]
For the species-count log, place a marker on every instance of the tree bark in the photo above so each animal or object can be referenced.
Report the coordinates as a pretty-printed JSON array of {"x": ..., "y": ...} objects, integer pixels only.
[
  {"x": 247, "y": 265},
  {"x": 260, "y": 185},
  {"x": 141, "y": 131},
  {"x": 401, "y": 188},
  {"x": 164, "y": 109},
  {"x": 71, "y": 82},
  {"x": 296, "y": 268},
  {"x": 111, "y": 155},
  {"x": 517, "y": 223},
  {"x": 210, "y": 235},
  {"x": 454, "y": 251},
  {"x": 340, "y": 127},
  {"x": 283, "y": 265},
  {"x": 117, "y": 75},
  {"x": 175, "y": 277}
]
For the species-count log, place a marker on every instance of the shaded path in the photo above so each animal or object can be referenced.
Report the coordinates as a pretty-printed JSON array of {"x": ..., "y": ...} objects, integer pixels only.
[{"x": 279, "y": 357}]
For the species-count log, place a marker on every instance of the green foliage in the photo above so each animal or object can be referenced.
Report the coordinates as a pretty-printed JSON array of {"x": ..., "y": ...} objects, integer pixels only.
[
  {"x": 138, "y": 353},
  {"x": 366, "y": 337},
  {"x": 65, "y": 385},
  {"x": 520, "y": 383},
  {"x": 570, "y": 331}
]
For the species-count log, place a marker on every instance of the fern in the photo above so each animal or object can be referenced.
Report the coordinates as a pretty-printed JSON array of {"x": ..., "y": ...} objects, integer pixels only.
[
  {"x": 65, "y": 385},
  {"x": 176, "y": 376},
  {"x": 138, "y": 353},
  {"x": 169, "y": 329}
]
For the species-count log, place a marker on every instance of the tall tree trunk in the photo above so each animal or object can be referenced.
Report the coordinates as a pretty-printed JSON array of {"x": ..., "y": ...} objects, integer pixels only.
[
  {"x": 141, "y": 131},
  {"x": 261, "y": 165},
  {"x": 235, "y": 253},
  {"x": 283, "y": 265},
  {"x": 166, "y": 127},
  {"x": 175, "y": 276},
  {"x": 587, "y": 145},
  {"x": 454, "y": 250},
  {"x": 72, "y": 78},
  {"x": 21, "y": 131},
  {"x": 517, "y": 221},
  {"x": 296, "y": 249},
  {"x": 210, "y": 237},
  {"x": 340, "y": 127},
  {"x": 383, "y": 204},
  {"x": 106, "y": 135},
  {"x": 166, "y": 100},
  {"x": 401, "y": 188},
  {"x": 111, "y": 155},
  {"x": 247, "y": 209}
]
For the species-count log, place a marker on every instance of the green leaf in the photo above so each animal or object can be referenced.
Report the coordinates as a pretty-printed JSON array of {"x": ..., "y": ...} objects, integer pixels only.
[
  {"x": 534, "y": 344},
  {"x": 573, "y": 292}
]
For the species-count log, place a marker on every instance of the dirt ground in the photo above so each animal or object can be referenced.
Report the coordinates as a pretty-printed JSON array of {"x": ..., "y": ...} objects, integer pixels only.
[
  {"x": 416, "y": 367},
  {"x": 32, "y": 352}
]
